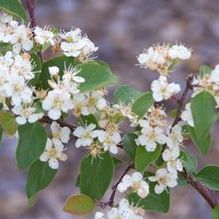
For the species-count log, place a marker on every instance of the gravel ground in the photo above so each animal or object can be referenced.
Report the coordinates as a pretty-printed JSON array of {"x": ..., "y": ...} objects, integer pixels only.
[{"x": 121, "y": 28}]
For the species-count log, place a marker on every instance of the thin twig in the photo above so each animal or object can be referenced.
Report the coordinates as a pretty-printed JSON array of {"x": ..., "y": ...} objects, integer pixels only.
[
  {"x": 181, "y": 101},
  {"x": 201, "y": 189},
  {"x": 47, "y": 120},
  {"x": 114, "y": 188},
  {"x": 31, "y": 9}
]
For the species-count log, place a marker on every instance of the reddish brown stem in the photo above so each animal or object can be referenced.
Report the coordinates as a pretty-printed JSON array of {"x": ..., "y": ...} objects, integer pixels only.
[
  {"x": 201, "y": 189},
  {"x": 114, "y": 188},
  {"x": 181, "y": 101},
  {"x": 47, "y": 120},
  {"x": 31, "y": 9}
]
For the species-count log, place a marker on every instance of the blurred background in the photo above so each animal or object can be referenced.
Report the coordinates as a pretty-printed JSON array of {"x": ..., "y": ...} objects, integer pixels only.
[{"x": 122, "y": 29}]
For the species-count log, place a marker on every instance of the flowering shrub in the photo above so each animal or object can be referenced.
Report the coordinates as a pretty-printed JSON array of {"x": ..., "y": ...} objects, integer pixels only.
[{"x": 37, "y": 96}]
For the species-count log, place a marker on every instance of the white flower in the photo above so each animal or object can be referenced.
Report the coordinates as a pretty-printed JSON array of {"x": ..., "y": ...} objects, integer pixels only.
[
  {"x": 85, "y": 135},
  {"x": 22, "y": 66},
  {"x": 134, "y": 182},
  {"x": 57, "y": 101},
  {"x": 53, "y": 70},
  {"x": 79, "y": 105},
  {"x": 215, "y": 75},
  {"x": 53, "y": 153},
  {"x": 179, "y": 52},
  {"x": 175, "y": 137},
  {"x": 124, "y": 211},
  {"x": 26, "y": 114},
  {"x": 5, "y": 18},
  {"x": 187, "y": 115},
  {"x": 99, "y": 215},
  {"x": 18, "y": 90},
  {"x": 164, "y": 179},
  {"x": 43, "y": 36},
  {"x": 95, "y": 100},
  {"x": 162, "y": 90},
  {"x": 150, "y": 136},
  {"x": 76, "y": 45},
  {"x": 170, "y": 156},
  {"x": 109, "y": 140},
  {"x": 21, "y": 39},
  {"x": 60, "y": 134},
  {"x": 71, "y": 80}
]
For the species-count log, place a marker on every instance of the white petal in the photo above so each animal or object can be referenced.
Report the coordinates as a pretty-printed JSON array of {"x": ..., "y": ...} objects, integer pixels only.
[{"x": 53, "y": 163}]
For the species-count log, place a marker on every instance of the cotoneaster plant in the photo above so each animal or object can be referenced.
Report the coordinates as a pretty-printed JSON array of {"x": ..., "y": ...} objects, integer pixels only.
[{"x": 37, "y": 95}]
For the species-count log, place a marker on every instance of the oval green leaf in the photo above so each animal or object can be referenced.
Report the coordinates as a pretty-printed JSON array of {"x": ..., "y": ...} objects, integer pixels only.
[
  {"x": 14, "y": 8},
  {"x": 39, "y": 177},
  {"x": 143, "y": 158},
  {"x": 96, "y": 76},
  {"x": 153, "y": 202},
  {"x": 79, "y": 204},
  {"x": 129, "y": 145},
  {"x": 142, "y": 104},
  {"x": 96, "y": 175},
  {"x": 204, "y": 115},
  {"x": 31, "y": 144},
  {"x": 126, "y": 94},
  {"x": 8, "y": 123},
  {"x": 209, "y": 176}
]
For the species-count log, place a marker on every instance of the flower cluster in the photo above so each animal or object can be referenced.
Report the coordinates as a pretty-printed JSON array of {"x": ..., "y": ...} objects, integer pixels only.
[
  {"x": 123, "y": 211},
  {"x": 106, "y": 138},
  {"x": 208, "y": 82},
  {"x": 19, "y": 36},
  {"x": 54, "y": 146},
  {"x": 72, "y": 43},
  {"x": 76, "y": 45},
  {"x": 60, "y": 98},
  {"x": 167, "y": 177},
  {"x": 135, "y": 183},
  {"x": 153, "y": 133},
  {"x": 162, "y": 57}
]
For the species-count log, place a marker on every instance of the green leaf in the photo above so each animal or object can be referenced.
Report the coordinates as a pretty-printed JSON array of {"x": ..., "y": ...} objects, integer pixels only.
[
  {"x": 129, "y": 145},
  {"x": 86, "y": 120},
  {"x": 204, "y": 114},
  {"x": 14, "y": 8},
  {"x": 96, "y": 175},
  {"x": 125, "y": 94},
  {"x": 36, "y": 62},
  {"x": 32, "y": 141},
  {"x": 153, "y": 202},
  {"x": 215, "y": 213},
  {"x": 79, "y": 204},
  {"x": 205, "y": 70},
  {"x": 4, "y": 48},
  {"x": 39, "y": 177},
  {"x": 143, "y": 158},
  {"x": 61, "y": 62},
  {"x": 203, "y": 144},
  {"x": 209, "y": 176},
  {"x": 116, "y": 161},
  {"x": 189, "y": 161},
  {"x": 142, "y": 104},
  {"x": 8, "y": 123},
  {"x": 96, "y": 76}
]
